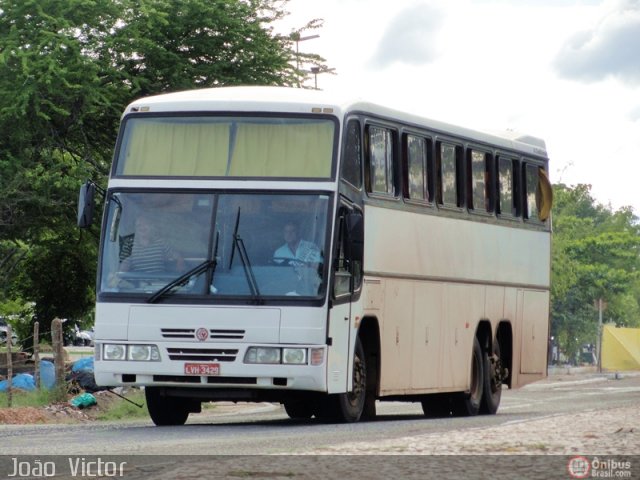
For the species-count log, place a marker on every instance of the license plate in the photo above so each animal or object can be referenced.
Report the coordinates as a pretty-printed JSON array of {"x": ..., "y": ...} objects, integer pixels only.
[{"x": 202, "y": 369}]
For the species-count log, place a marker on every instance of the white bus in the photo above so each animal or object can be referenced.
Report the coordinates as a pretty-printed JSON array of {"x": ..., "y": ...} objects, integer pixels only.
[{"x": 273, "y": 244}]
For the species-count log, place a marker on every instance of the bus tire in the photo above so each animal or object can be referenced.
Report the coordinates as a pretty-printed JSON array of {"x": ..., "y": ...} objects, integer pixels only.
[
  {"x": 468, "y": 403},
  {"x": 348, "y": 407},
  {"x": 492, "y": 381},
  {"x": 351, "y": 404},
  {"x": 165, "y": 410},
  {"x": 299, "y": 409}
]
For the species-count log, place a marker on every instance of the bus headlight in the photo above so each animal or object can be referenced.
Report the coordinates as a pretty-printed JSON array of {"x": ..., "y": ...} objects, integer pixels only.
[
  {"x": 276, "y": 355},
  {"x": 262, "y": 355},
  {"x": 294, "y": 355},
  {"x": 143, "y": 353},
  {"x": 136, "y": 353},
  {"x": 114, "y": 351}
]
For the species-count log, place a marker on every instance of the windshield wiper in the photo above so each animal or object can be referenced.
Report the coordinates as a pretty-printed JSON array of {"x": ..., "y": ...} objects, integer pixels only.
[
  {"x": 238, "y": 244},
  {"x": 184, "y": 279}
]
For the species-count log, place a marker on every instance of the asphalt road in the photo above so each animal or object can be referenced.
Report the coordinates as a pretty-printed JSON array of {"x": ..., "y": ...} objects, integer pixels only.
[{"x": 265, "y": 428}]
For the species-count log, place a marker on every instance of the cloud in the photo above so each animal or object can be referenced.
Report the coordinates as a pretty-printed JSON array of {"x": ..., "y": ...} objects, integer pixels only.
[
  {"x": 608, "y": 50},
  {"x": 634, "y": 114},
  {"x": 409, "y": 37}
]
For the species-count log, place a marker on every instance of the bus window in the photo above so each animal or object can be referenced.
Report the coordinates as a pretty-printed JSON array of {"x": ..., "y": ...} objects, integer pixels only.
[
  {"x": 381, "y": 178},
  {"x": 342, "y": 282},
  {"x": 417, "y": 177},
  {"x": 506, "y": 179},
  {"x": 479, "y": 181},
  {"x": 532, "y": 192},
  {"x": 447, "y": 175},
  {"x": 351, "y": 170},
  {"x": 538, "y": 193}
]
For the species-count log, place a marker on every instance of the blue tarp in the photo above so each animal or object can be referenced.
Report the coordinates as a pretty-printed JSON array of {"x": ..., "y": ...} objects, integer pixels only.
[
  {"x": 26, "y": 381},
  {"x": 83, "y": 365},
  {"x": 22, "y": 381},
  {"x": 47, "y": 374}
]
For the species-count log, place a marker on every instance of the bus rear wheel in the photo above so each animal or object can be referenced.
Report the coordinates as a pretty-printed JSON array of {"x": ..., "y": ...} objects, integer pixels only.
[
  {"x": 468, "y": 403},
  {"x": 492, "y": 380},
  {"x": 165, "y": 410}
]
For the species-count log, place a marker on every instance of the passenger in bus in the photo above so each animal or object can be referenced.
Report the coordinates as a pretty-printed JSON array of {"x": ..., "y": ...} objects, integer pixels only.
[
  {"x": 148, "y": 252},
  {"x": 296, "y": 248}
]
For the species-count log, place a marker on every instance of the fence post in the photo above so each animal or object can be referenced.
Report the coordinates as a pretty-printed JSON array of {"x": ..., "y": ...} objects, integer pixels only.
[
  {"x": 36, "y": 353},
  {"x": 9, "y": 368},
  {"x": 58, "y": 357}
]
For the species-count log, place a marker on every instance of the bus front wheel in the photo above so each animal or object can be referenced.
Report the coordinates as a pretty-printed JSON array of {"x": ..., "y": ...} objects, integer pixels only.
[
  {"x": 165, "y": 410},
  {"x": 348, "y": 407}
]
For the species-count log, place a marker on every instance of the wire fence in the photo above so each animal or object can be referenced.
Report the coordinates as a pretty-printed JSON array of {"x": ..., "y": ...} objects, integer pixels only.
[{"x": 20, "y": 360}]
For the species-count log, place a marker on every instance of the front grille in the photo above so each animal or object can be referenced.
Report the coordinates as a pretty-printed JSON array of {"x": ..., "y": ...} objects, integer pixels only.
[
  {"x": 178, "y": 333},
  {"x": 227, "y": 334},
  {"x": 202, "y": 354},
  {"x": 190, "y": 334}
]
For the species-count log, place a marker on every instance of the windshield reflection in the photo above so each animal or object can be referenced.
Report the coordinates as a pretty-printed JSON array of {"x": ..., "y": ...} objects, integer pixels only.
[{"x": 264, "y": 245}]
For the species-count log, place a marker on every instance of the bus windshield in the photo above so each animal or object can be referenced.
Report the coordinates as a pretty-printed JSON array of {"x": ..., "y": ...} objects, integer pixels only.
[
  {"x": 255, "y": 246},
  {"x": 221, "y": 146}
]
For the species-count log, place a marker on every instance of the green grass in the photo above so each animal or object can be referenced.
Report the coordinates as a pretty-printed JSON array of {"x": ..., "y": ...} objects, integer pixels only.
[
  {"x": 120, "y": 409},
  {"x": 36, "y": 398},
  {"x": 112, "y": 407}
]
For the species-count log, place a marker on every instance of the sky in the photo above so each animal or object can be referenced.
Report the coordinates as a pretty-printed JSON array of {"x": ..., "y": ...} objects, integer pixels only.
[{"x": 567, "y": 71}]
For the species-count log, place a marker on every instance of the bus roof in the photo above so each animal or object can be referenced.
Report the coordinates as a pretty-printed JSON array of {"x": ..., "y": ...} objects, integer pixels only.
[{"x": 300, "y": 100}]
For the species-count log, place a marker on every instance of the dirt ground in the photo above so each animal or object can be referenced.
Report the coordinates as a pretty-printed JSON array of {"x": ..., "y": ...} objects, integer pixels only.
[{"x": 61, "y": 412}]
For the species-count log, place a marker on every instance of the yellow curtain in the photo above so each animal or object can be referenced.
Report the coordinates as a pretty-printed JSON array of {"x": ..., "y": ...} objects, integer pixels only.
[
  {"x": 202, "y": 149},
  {"x": 288, "y": 150},
  {"x": 159, "y": 148}
]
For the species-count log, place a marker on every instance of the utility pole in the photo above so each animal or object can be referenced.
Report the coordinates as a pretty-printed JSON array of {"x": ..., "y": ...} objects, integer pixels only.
[{"x": 600, "y": 308}]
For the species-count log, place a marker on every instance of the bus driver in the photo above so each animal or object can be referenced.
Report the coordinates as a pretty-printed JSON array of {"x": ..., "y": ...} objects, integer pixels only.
[{"x": 295, "y": 248}]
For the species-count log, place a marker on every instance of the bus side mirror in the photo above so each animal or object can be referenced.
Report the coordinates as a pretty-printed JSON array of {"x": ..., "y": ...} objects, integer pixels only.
[
  {"x": 86, "y": 204},
  {"x": 355, "y": 236}
]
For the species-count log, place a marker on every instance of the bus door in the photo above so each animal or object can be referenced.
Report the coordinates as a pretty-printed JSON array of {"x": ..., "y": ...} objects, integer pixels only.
[{"x": 346, "y": 272}]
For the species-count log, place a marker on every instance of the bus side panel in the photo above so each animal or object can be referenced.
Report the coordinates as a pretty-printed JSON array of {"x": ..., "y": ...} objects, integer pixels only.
[
  {"x": 464, "y": 306},
  {"x": 396, "y": 331},
  {"x": 494, "y": 306},
  {"x": 427, "y": 335},
  {"x": 534, "y": 322}
]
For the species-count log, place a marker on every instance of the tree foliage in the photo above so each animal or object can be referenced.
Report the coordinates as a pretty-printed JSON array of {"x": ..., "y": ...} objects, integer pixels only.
[
  {"x": 67, "y": 70},
  {"x": 595, "y": 256}
]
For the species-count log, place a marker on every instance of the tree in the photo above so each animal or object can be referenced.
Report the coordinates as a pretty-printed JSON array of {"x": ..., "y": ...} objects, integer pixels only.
[
  {"x": 596, "y": 255},
  {"x": 67, "y": 70},
  {"x": 183, "y": 44}
]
